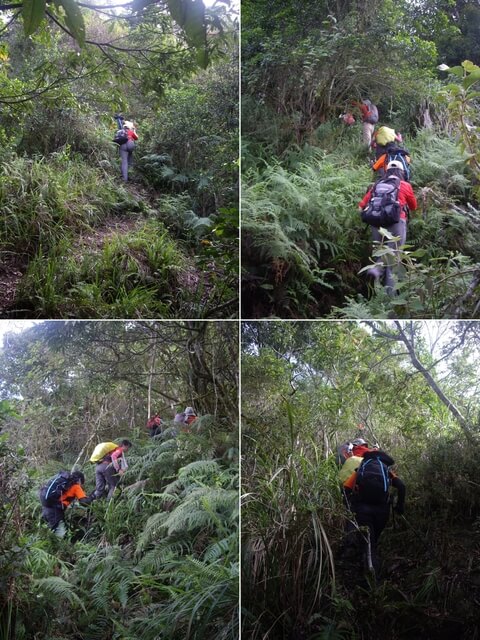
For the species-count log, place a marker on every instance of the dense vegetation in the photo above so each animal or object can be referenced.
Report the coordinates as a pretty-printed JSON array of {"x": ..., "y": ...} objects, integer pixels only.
[
  {"x": 161, "y": 559},
  {"x": 304, "y": 171},
  {"x": 412, "y": 387},
  {"x": 76, "y": 241}
]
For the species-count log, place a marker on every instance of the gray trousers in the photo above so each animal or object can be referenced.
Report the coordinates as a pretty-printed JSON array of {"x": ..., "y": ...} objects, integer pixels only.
[
  {"x": 397, "y": 229},
  {"x": 105, "y": 475},
  {"x": 126, "y": 153}
]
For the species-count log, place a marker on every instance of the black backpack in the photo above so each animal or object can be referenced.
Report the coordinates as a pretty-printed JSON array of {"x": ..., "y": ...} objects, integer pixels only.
[
  {"x": 373, "y": 481},
  {"x": 383, "y": 209},
  {"x": 120, "y": 137},
  {"x": 51, "y": 492}
]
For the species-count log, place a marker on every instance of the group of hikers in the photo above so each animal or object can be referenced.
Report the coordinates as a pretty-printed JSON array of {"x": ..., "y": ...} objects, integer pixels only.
[
  {"x": 389, "y": 200},
  {"x": 63, "y": 489},
  {"x": 366, "y": 476},
  {"x": 182, "y": 420}
]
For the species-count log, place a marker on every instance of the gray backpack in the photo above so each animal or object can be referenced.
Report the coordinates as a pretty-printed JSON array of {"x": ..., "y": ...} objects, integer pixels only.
[{"x": 383, "y": 209}]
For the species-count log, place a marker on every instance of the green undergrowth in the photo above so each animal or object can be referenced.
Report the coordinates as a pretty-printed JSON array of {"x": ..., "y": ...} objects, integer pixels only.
[
  {"x": 44, "y": 200},
  {"x": 160, "y": 560},
  {"x": 58, "y": 227},
  {"x": 303, "y": 243},
  {"x": 136, "y": 273}
]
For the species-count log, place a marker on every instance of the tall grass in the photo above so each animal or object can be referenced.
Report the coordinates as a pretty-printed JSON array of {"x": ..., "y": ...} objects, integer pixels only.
[{"x": 288, "y": 567}]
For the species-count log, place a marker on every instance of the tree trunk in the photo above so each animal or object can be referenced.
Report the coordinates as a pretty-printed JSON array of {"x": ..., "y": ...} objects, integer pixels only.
[{"x": 432, "y": 383}]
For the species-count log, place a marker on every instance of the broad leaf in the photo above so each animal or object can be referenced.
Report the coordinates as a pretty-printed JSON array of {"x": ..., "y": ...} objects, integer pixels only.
[
  {"x": 190, "y": 15},
  {"x": 74, "y": 20},
  {"x": 33, "y": 12}
]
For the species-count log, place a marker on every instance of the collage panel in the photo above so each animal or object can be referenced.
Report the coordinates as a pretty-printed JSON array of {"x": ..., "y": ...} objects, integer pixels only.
[
  {"x": 119, "y": 469},
  {"x": 119, "y": 174},
  {"x": 360, "y": 159},
  {"x": 361, "y": 508}
]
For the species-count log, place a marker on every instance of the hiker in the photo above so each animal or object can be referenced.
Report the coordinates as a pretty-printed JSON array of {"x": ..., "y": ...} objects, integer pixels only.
[
  {"x": 347, "y": 118},
  {"x": 351, "y": 456},
  {"x": 58, "y": 494},
  {"x": 126, "y": 149},
  {"x": 154, "y": 425},
  {"x": 110, "y": 468},
  {"x": 393, "y": 216},
  {"x": 368, "y": 494},
  {"x": 386, "y": 142},
  {"x": 369, "y": 119},
  {"x": 382, "y": 138},
  {"x": 180, "y": 417},
  {"x": 190, "y": 415}
]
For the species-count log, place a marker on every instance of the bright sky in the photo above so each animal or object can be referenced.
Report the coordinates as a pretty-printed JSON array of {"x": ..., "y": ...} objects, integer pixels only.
[{"x": 7, "y": 326}]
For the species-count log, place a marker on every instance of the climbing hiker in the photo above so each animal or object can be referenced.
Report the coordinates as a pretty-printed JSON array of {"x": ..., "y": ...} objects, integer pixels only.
[
  {"x": 368, "y": 494},
  {"x": 154, "y": 425},
  {"x": 179, "y": 417},
  {"x": 387, "y": 205},
  {"x": 351, "y": 456},
  {"x": 57, "y": 494},
  {"x": 369, "y": 119},
  {"x": 384, "y": 137},
  {"x": 347, "y": 118},
  {"x": 126, "y": 149},
  {"x": 386, "y": 143},
  {"x": 190, "y": 415},
  {"x": 387, "y": 146},
  {"x": 111, "y": 465}
]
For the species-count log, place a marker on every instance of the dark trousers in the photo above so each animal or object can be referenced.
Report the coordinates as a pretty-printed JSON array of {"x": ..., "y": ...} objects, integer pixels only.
[
  {"x": 375, "y": 517},
  {"x": 53, "y": 515}
]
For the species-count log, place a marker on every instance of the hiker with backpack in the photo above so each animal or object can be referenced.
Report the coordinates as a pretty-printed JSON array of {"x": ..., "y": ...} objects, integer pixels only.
[
  {"x": 387, "y": 204},
  {"x": 58, "y": 494},
  {"x": 369, "y": 119},
  {"x": 125, "y": 137},
  {"x": 111, "y": 464},
  {"x": 368, "y": 495},
  {"x": 386, "y": 143},
  {"x": 154, "y": 425}
]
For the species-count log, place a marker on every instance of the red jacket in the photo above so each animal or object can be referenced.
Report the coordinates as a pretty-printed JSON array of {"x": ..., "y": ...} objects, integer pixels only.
[
  {"x": 363, "y": 108},
  {"x": 131, "y": 134},
  {"x": 406, "y": 197}
]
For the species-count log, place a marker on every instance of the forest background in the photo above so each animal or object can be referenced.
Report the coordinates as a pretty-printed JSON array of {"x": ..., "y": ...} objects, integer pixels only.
[
  {"x": 75, "y": 241},
  {"x": 412, "y": 387},
  {"x": 161, "y": 559},
  {"x": 304, "y": 171}
]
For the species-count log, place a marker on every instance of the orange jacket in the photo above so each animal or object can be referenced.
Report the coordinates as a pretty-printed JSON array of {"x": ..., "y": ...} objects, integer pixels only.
[{"x": 68, "y": 496}]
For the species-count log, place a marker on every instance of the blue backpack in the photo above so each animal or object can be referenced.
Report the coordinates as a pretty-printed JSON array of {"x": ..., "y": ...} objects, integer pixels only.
[
  {"x": 51, "y": 492},
  {"x": 399, "y": 154},
  {"x": 373, "y": 482}
]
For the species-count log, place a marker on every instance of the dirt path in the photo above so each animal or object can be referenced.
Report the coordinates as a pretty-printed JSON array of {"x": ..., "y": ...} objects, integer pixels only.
[{"x": 10, "y": 275}]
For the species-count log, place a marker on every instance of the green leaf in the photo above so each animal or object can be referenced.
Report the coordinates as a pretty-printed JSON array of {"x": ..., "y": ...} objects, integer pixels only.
[
  {"x": 190, "y": 15},
  {"x": 457, "y": 71},
  {"x": 74, "y": 20},
  {"x": 471, "y": 79},
  {"x": 33, "y": 12},
  {"x": 469, "y": 66}
]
